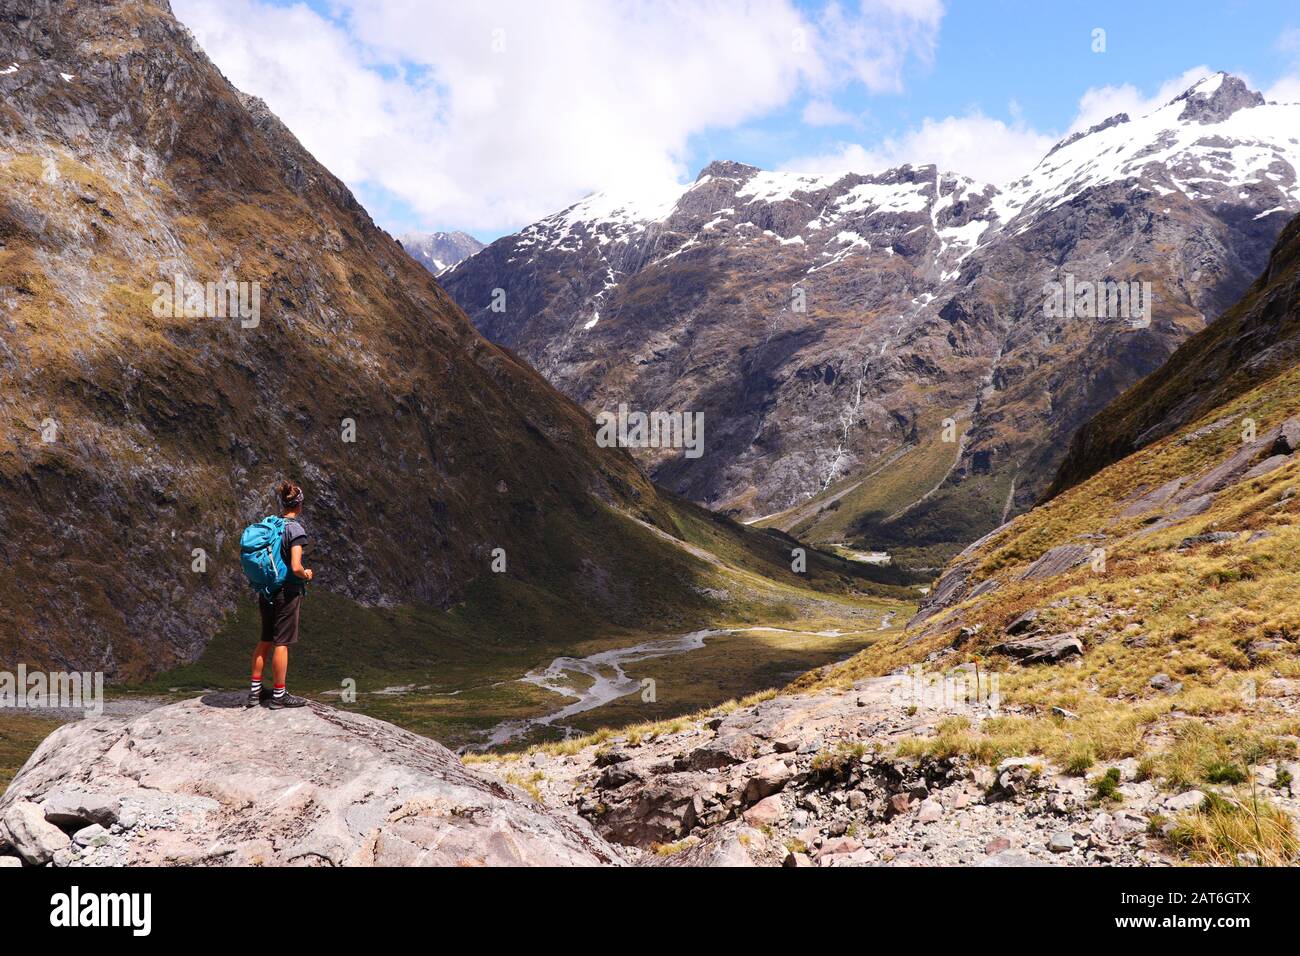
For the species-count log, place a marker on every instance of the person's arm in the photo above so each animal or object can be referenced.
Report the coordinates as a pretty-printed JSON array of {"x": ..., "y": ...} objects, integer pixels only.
[{"x": 295, "y": 563}]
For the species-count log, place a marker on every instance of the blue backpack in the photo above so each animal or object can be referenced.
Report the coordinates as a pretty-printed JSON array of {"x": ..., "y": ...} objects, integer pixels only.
[{"x": 260, "y": 555}]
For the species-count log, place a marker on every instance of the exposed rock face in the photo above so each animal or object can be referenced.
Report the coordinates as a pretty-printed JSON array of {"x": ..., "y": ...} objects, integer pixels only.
[
  {"x": 126, "y": 159},
  {"x": 206, "y": 782},
  {"x": 923, "y": 299},
  {"x": 439, "y": 251},
  {"x": 1253, "y": 342},
  {"x": 1056, "y": 561}
]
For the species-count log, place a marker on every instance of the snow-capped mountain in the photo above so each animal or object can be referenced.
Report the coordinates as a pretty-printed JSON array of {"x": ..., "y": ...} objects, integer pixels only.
[
  {"x": 439, "y": 251},
  {"x": 1216, "y": 142},
  {"x": 827, "y": 326}
]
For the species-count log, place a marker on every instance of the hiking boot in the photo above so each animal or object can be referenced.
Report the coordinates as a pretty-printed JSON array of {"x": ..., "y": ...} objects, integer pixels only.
[
  {"x": 287, "y": 700},
  {"x": 258, "y": 697}
]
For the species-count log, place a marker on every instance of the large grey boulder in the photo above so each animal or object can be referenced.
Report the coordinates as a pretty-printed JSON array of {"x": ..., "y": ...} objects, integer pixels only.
[
  {"x": 77, "y": 808},
  {"x": 207, "y": 782},
  {"x": 1042, "y": 650},
  {"x": 35, "y": 839}
]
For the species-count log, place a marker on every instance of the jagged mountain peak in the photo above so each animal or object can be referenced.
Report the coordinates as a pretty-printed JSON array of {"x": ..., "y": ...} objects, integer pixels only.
[
  {"x": 727, "y": 169},
  {"x": 1215, "y": 98},
  {"x": 439, "y": 251},
  {"x": 1218, "y": 139}
]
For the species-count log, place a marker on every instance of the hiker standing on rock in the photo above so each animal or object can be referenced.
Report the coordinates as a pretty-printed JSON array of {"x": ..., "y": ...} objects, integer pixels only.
[{"x": 271, "y": 555}]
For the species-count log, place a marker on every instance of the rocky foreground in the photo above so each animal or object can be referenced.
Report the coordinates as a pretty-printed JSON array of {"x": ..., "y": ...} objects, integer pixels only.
[
  {"x": 205, "y": 782},
  {"x": 814, "y": 780},
  {"x": 798, "y": 780}
]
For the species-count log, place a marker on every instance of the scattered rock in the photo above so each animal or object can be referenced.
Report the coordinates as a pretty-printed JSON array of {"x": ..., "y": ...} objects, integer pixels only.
[
  {"x": 997, "y": 845},
  {"x": 1126, "y": 824},
  {"x": 93, "y": 835},
  {"x": 1025, "y": 622},
  {"x": 1281, "y": 687},
  {"x": 1010, "y": 858},
  {"x": 607, "y": 758},
  {"x": 837, "y": 846},
  {"x": 723, "y": 752},
  {"x": 1209, "y": 537},
  {"x": 34, "y": 837},
  {"x": 770, "y": 775},
  {"x": 930, "y": 811},
  {"x": 1188, "y": 800},
  {"x": 1061, "y": 841},
  {"x": 1260, "y": 648},
  {"x": 1042, "y": 650},
  {"x": 70, "y": 808},
  {"x": 767, "y": 811}
]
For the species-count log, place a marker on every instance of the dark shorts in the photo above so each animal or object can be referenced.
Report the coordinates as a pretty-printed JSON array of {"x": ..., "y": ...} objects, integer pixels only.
[{"x": 280, "y": 618}]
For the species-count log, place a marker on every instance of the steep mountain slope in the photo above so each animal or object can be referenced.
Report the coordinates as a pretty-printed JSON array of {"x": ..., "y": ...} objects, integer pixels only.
[
  {"x": 1148, "y": 611},
  {"x": 136, "y": 438},
  {"x": 1252, "y": 343},
  {"x": 439, "y": 251},
  {"x": 924, "y": 301}
]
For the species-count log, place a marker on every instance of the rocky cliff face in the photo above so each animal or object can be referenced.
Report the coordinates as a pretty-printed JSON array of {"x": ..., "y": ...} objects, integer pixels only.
[
  {"x": 439, "y": 251},
  {"x": 140, "y": 429},
  {"x": 1252, "y": 343},
  {"x": 827, "y": 326}
]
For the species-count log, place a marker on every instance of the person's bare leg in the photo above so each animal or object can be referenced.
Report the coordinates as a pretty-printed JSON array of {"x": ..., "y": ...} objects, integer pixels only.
[
  {"x": 259, "y": 664},
  {"x": 280, "y": 665},
  {"x": 259, "y": 658}
]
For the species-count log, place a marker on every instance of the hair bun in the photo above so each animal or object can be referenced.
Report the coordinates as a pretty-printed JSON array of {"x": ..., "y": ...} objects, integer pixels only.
[{"x": 289, "y": 493}]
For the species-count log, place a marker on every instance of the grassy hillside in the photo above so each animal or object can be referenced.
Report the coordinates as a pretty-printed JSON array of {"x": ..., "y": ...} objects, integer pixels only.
[{"x": 1182, "y": 592}]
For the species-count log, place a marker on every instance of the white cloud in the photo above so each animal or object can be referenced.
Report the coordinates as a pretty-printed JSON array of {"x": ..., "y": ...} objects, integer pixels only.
[
  {"x": 1285, "y": 90},
  {"x": 822, "y": 112},
  {"x": 978, "y": 146},
  {"x": 487, "y": 115},
  {"x": 874, "y": 41},
  {"x": 1102, "y": 102}
]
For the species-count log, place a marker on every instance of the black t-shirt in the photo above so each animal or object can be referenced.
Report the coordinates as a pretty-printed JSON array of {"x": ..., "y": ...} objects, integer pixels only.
[{"x": 294, "y": 533}]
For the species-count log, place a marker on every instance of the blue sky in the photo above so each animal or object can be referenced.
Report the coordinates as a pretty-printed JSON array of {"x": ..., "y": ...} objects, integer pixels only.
[{"x": 484, "y": 119}]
